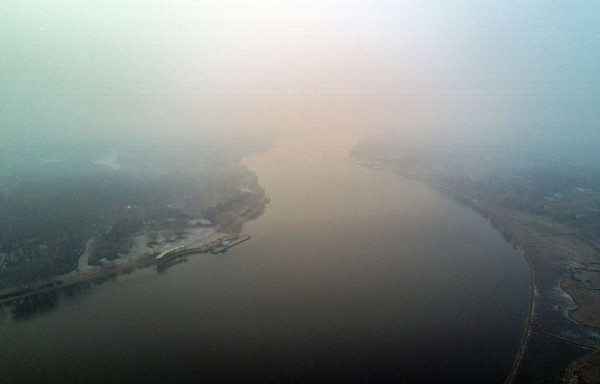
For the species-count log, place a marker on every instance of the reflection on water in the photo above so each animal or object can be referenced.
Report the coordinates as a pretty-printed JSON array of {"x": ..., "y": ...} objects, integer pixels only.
[
  {"x": 351, "y": 275},
  {"x": 31, "y": 305}
]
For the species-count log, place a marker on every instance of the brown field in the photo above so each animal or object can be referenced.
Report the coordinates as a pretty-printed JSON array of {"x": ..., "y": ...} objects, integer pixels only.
[
  {"x": 594, "y": 278},
  {"x": 588, "y": 302},
  {"x": 586, "y": 370}
]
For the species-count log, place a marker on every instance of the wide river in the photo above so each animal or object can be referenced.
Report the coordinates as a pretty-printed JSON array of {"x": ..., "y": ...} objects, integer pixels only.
[{"x": 352, "y": 275}]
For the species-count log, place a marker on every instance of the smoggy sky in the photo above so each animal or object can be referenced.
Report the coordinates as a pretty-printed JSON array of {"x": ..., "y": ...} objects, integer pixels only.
[{"x": 72, "y": 68}]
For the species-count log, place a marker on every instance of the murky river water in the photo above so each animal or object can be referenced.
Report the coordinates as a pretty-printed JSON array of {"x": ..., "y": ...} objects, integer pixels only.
[{"x": 352, "y": 275}]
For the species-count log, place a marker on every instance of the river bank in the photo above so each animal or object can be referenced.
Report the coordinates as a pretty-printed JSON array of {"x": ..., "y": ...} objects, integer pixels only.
[
  {"x": 143, "y": 256},
  {"x": 562, "y": 326}
]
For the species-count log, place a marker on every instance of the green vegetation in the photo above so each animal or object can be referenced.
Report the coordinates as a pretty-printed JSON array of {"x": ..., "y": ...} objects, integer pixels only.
[{"x": 50, "y": 209}]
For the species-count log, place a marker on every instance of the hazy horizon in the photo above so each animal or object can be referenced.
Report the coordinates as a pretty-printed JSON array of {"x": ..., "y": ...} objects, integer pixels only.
[
  {"x": 299, "y": 191},
  {"x": 427, "y": 70}
]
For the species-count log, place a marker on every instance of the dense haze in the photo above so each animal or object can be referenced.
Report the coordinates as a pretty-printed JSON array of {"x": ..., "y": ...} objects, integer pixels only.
[
  {"x": 97, "y": 70},
  {"x": 136, "y": 133}
]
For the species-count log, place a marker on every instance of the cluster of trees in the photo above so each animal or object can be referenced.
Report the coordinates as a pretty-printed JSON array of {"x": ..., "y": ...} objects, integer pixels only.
[{"x": 48, "y": 216}]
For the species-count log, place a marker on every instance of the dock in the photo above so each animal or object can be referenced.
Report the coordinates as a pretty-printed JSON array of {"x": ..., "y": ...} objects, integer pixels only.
[
  {"x": 228, "y": 244},
  {"x": 219, "y": 243}
]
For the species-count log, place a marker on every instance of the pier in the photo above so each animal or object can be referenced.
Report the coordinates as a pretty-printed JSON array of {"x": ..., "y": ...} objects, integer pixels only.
[
  {"x": 219, "y": 243},
  {"x": 228, "y": 244}
]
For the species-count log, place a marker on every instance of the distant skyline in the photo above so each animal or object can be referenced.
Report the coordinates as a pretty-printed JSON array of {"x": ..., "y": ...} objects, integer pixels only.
[{"x": 426, "y": 69}]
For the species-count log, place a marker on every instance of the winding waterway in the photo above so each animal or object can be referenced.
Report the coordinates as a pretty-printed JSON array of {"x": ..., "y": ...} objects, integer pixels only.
[{"x": 352, "y": 275}]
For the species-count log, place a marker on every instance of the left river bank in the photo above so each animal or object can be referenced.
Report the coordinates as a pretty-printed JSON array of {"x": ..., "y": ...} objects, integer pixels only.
[{"x": 25, "y": 300}]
